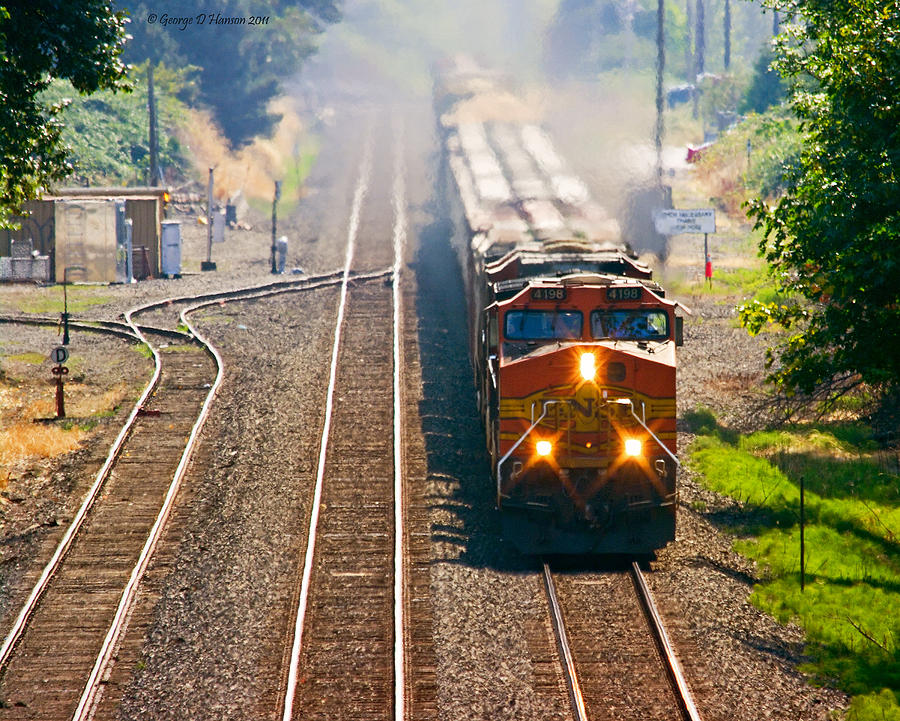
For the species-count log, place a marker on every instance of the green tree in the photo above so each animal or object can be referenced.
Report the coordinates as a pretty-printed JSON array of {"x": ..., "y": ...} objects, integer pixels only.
[
  {"x": 767, "y": 87},
  {"x": 106, "y": 133},
  {"x": 833, "y": 238},
  {"x": 241, "y": 66},
  {"x": 78, "y": 40}
]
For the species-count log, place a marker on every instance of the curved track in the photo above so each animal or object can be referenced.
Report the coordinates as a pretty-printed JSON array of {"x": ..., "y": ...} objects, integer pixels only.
[
  {"x": 65, "y": 635},
  {"x": 52, "y": 648},
  {"x": 69, "y": 632}
]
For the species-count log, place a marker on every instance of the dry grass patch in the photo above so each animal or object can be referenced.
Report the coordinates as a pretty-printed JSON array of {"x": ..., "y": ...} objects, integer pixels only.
[
  {"x": 25, "y": 439},
  {"x": 21, "y": 439}
]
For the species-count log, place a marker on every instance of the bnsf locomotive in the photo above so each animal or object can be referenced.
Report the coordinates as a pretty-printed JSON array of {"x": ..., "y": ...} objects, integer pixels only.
[{"x": 573, "y": 343}]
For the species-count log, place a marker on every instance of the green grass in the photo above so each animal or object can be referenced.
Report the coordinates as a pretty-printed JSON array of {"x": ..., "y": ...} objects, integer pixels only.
[
  {"x": 143, "y": 350},
  {"x": 298, "y": 171},
  {"x": 852, "y": 569},
  {"x": 46, "y": 301},
  {"x": 30, "y": 357},
  {"x": 752, "y": 283}
]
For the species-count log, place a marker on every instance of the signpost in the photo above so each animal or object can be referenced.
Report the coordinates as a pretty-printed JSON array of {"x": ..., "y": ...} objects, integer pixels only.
[
  {"x": 65, "y": 314},
  {"x": 59, "y": 355},
  {"x": 699, "y": 220},
  {"x": 675, "y": 221},
  {"x": 208, "y": 264}
]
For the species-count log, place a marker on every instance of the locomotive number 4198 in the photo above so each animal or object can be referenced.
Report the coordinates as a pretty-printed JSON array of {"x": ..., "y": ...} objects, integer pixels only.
[
  {"x": 623, "y": 293},
  {"x": 548, "y": 294}
]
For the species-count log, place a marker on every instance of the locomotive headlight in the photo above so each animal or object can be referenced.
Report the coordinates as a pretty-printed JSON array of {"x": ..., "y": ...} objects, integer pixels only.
[
  {"x": 544, "y": 448},
  {"x": 588, "y": 365},
  {"x": 632, "y": 447}
]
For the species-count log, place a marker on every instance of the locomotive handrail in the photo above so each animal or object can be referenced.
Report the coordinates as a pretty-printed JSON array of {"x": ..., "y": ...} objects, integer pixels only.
[
  {"x": 519, "y": 443},
  {"x": 630, "y": 403},
  {"x": 491, "y": 360}
]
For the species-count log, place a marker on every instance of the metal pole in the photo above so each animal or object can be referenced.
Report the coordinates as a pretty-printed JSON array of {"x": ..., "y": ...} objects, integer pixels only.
[
  {"x": 707, "y": 268},
  {"x": 802, "y": 536},
  {"x": 209, "y": 218},
  {"x": 275, "y": 221},
  {"x": 154, "y": 140},
  {"x": 65, "y": 308},
  {"x": 65, "y": 315},
  {"x": 727, "y": 32},
  {"x": 60, "y": 398},
  {"x": 660, "y": 68}
]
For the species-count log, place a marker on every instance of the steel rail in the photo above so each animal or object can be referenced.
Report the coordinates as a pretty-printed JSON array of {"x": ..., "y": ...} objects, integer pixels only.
[
  {"x": 93, "y": 687},
  {"x": 575, "y": 696},
  {"x": 670, "y": 660},
  {"x": 399, "y": 242},
  {"x": 91, "y": 692},
  {"x": 28, "y": 608},
  {"x": 300, "y": 618}
]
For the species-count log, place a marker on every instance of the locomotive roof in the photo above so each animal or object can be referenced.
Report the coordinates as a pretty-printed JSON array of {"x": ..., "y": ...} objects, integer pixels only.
[
  {"x": 560, "y": 258},
  {"x": 506, "y": 289}
]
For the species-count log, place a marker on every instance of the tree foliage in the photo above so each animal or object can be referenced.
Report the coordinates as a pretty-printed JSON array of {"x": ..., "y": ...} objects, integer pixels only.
[
  {"x": 767, "y": 87},
  {"x": 106, "y": 133},
  {"x": 241, "y": 66},
  {"x": 833, "y": 238},
  {"x": 40, "y": 40}
]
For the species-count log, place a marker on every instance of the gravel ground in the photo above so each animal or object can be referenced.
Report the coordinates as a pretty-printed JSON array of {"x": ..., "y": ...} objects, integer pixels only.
[
  {"x": 223, "y": 605},
  {"x": 40, "y": 495},
  {"x": 211, "y": 618}
]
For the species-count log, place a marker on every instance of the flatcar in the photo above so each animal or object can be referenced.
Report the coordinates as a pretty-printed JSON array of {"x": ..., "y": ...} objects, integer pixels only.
[{"x": 573, "y": 342}]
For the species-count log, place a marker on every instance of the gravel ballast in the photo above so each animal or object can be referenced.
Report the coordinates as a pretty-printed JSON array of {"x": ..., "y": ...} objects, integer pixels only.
[{"x": 215, "y": 601}]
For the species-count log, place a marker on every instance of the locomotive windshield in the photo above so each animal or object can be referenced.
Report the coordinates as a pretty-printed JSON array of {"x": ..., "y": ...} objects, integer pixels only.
[
  {"x": 630, "y": 324},
  {"x": 542, "y": 324}
]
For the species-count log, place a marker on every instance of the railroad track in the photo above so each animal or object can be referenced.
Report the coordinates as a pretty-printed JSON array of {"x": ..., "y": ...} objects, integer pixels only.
[
  {"x": 609, "y": 673},
  {"x": 347, "y": 658},
  {"x": 66, "y": 634},
  {"x": 52, "y": 649}
]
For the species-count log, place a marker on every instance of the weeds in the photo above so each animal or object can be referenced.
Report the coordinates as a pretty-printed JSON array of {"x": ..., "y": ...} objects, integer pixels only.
[
  {"x": 25, "y": 439},
  {"x": 852, "y": 560}
]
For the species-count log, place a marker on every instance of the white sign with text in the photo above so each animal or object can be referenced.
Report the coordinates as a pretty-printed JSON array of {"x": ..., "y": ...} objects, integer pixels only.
[{"x": 673, "y": 222}]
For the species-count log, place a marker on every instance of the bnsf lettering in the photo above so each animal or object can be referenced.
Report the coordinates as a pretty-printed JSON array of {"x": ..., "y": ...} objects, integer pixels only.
[{"x": 586, "y": 408}]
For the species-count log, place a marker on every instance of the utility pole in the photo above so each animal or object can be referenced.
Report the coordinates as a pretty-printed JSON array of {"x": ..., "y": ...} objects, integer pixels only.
[
  {"x": 154, "y": 140},
  {"x": 688, "y": 44},
  {"x": 700, "y": 40},
  {"x": 660, "y": 67},
  {"x": 727, "y": 28},
  {"x": 699, "y": 50}
]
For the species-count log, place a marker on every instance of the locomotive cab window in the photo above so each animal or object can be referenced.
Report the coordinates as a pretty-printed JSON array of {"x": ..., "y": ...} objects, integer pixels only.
[
  {"x": 630, "y": 324},
  {"x": 542, "y": 324}
]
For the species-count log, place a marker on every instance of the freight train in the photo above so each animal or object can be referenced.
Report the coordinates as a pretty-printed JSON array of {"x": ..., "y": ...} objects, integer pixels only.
[{"x": 572, "y": 341}]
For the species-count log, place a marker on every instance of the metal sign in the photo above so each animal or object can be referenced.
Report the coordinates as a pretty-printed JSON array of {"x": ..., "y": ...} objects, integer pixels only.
[
  {"x": 673, "y": 222},
  {"x": 60, "y": 354}
]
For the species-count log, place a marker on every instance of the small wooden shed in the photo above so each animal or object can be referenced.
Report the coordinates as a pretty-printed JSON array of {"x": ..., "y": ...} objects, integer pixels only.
[{"x": 143, "y": 205}]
